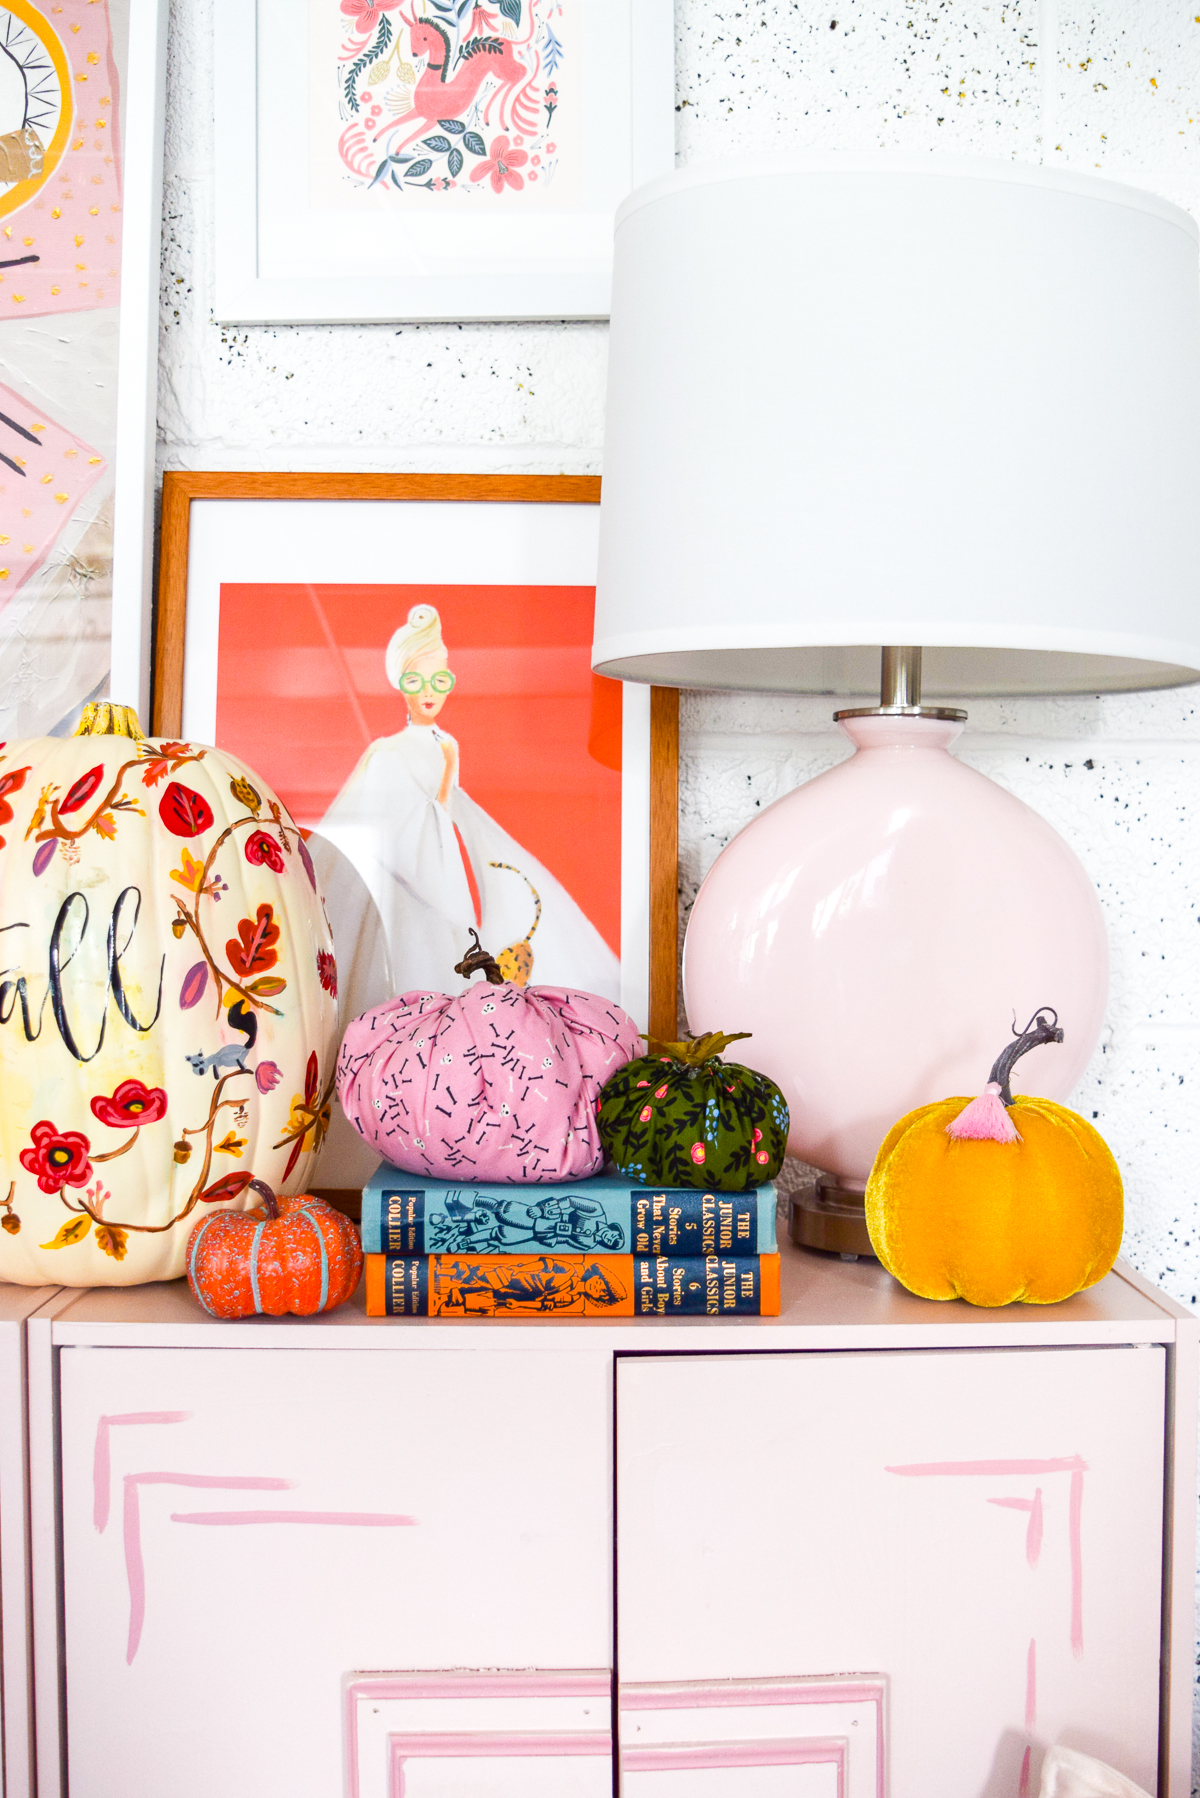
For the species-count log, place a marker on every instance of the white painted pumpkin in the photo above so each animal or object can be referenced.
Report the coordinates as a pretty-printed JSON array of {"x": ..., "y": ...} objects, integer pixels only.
[{"x": 168, "y": 1017}]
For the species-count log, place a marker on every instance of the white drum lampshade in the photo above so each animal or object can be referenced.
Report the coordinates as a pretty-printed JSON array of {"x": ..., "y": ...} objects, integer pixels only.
[{"x": 855, "y": 404}]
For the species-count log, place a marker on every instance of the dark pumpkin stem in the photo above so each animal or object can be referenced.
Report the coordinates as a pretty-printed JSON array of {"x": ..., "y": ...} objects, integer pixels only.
[
  {"x": 699, "y": 1049},
  {"x": 477, "y": 958},
  {"x": 1043, "y": 1027},
  {"x": 270, "y": 1203}
]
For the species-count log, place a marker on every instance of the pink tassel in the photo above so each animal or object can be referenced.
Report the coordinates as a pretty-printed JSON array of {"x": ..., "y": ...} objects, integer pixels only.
[{"x": 985, "y": 1119}]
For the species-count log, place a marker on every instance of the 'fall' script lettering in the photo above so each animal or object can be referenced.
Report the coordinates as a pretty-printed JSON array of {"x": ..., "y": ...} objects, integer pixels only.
[{"x": 66, "y": 940}]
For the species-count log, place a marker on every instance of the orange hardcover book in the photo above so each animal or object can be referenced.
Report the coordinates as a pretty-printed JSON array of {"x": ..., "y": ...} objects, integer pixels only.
[{"x": 459, "y": 1286}]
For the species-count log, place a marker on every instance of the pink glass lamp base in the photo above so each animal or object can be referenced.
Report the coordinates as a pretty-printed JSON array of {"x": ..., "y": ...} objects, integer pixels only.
[{"x": 878, "y": 931}]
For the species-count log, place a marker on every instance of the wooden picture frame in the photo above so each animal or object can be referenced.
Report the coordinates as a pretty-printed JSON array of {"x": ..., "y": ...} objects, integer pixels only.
[
  {"x": 182, "y": 488},
  {"x": 406, "y": 163}
]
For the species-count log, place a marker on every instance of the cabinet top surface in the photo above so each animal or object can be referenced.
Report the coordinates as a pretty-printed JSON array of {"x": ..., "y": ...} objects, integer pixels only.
[{"x": 827, "y": 1303}]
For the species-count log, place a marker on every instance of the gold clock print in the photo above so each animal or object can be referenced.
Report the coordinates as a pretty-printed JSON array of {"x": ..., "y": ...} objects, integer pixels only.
[{"x": 35, "y": 102}]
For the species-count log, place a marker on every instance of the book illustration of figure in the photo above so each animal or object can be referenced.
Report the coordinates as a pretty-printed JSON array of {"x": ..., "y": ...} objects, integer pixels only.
[
  {"x": 567, "y": 1222},
  {"x": 523, "y": 1288},
  {"x": 435, "y": 863}
]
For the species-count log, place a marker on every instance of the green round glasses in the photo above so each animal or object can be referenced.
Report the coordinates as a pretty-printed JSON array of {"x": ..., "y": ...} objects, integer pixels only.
[{"x": 412, "y": 683}]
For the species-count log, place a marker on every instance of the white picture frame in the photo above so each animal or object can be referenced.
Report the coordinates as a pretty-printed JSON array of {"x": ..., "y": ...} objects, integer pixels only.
[
  {"x": 290, "y": 249},
  {"x": 137, "y": 378}
]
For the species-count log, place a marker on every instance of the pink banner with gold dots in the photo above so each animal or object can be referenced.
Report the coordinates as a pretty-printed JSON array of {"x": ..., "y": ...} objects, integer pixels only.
[
  {"x": 60, "y": 160},
  {"x": 44, "y": 473}
]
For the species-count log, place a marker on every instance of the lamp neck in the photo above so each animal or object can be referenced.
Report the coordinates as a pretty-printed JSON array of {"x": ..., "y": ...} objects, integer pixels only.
[
  {"x": 900, "y": 689},
  {"x": 900, "y": 675}
]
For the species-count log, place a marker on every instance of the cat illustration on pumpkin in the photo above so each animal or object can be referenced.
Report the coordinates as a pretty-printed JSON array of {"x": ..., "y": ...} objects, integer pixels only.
[{"x": 434, "y": 863}]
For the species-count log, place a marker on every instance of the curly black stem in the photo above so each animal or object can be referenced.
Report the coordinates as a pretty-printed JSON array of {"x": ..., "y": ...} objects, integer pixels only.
[
  {"x": 1043, "y": 1027},
  {"x": 478, "y": 958}
]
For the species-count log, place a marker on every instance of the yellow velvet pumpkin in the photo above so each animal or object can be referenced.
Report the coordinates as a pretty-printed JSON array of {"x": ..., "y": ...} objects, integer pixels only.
[{"x": 996, "y": 1199}]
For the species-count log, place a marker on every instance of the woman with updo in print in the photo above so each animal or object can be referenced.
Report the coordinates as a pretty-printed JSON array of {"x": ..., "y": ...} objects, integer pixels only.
[{"x": 419, "y": 842}]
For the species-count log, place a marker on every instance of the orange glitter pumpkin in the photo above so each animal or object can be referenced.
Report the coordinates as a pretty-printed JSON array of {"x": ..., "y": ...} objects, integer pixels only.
[
  {"x": 996, "y": 1200},
  {"x": 288, "y": 1254}
]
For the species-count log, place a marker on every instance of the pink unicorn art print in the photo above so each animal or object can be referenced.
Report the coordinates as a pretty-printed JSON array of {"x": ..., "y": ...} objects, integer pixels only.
[{"x": 451, "y": 96}]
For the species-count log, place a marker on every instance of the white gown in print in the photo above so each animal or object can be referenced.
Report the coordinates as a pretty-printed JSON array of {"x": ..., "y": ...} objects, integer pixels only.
[{"x": 389, "y": 823}]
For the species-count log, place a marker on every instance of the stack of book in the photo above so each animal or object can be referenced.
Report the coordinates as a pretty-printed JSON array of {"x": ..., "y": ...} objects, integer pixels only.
[{"x": 584, "y": 1248}]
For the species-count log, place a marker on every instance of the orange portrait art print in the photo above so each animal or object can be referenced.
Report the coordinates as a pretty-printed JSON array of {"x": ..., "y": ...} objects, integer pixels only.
[
  {"x": 453, "y": 746},
  {"x": 405, "y": 660}
]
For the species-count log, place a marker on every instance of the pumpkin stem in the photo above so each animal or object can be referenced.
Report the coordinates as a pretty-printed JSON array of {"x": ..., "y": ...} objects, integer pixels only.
[
  {"x": 477, "y": 958},
  {"x": 699, "y": 1049},
  {"x": 103, "y": 719},
  {"x": 270, "y": 1203},
  {"x": 1043, "y": 1027}
]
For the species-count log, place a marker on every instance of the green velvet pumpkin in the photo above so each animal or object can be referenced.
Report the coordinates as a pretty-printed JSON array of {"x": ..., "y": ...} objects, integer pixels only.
[{"x": 681, "y": 1116}]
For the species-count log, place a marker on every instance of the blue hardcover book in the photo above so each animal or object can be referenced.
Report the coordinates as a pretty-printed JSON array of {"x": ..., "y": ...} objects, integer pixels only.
[{"x": 403, "y": 1214}]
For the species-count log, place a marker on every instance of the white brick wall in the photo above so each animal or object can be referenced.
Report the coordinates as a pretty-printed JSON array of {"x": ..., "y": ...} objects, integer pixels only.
[{"x": 1114, "y": 88}]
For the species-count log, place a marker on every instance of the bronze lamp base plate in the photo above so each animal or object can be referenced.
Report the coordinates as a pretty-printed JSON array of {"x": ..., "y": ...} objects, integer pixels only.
[{"x": 830, "y": 1218}]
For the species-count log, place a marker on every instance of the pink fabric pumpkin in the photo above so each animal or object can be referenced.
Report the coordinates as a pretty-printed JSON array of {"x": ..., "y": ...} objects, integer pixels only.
[{"x": 497, "y": 1084}]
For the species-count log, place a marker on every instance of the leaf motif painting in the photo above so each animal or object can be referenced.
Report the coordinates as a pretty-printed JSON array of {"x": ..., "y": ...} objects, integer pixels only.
[{"x": 253, "y": 951}]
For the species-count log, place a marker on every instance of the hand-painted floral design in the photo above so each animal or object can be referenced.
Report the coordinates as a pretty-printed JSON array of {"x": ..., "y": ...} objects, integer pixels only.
[
  {"x": 132, "y": 1104},
  {"x": 47, "y": 825},
  {"x": 502, "y": 165},
  {"x": 309, "y": 1116},
  {"x": 189, "y": 873},
  {"x": 253, "y": 950},
  {"x": 58, "y": 1158},
  {"x": 366, "y": 14},
  {"x": 185, "y": 812},
  {"x": 112, "y": 1240},
  {"x": 704, "y": 1122},
  {"x": 245, "y": 794},
  {"x": 12, "y": 782},
  {"x": 65, "y": 1163},
  {"x": 262, "y": 850},
  {"x": 165, "y": 758}
]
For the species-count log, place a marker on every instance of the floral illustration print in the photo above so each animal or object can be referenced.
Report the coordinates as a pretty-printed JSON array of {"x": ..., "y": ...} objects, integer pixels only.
[{"x": 445, "y": 95}]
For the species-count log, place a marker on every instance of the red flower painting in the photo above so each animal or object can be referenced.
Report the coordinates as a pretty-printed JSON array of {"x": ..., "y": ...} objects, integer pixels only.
[
  {"x": 327, "y": 971},
  {"x": 132, "y": 1104},
  {"x": 262, "y": 850},
  {"x": 502, "y": 164},
  {"x": 58, "y": 1158}
]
